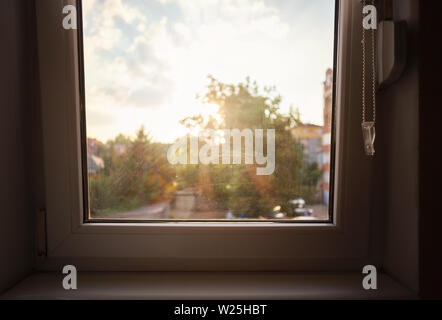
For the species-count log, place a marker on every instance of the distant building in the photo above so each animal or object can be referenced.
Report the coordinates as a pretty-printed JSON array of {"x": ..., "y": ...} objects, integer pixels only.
[
  {"x": 310, "y": 136},
  {"x": 92, "y": 145},
  {"x": 326, "y": 136},
  {"x": 94, "y": 162}
]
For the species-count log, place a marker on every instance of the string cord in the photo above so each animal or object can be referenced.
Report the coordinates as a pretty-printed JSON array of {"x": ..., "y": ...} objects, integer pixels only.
[{"x": 373, "y": 63}]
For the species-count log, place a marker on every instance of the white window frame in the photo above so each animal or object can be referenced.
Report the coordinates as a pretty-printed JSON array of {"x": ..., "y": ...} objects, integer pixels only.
[{"x": 342, "y": 245}]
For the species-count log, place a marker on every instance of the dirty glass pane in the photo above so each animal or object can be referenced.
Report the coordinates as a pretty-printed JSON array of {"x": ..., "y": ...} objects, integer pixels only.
[{"x": 208, "y": 109}]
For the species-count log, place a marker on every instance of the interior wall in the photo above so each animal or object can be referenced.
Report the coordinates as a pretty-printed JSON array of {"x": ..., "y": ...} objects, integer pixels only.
[
  {"x": 397, "y": 159},
  {"x": 16, "y": 231}
]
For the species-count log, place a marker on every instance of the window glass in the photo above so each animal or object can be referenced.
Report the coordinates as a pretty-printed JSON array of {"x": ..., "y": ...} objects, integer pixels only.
[{"x": 212, "y": 110}]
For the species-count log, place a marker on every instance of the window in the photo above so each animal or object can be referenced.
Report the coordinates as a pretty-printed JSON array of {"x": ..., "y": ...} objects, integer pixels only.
[
  {"x": 208, "y": 110},
  {"x": 344, "y": 243}
]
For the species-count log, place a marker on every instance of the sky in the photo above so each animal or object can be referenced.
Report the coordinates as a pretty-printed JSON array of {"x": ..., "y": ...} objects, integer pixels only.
[{"x": 146, "y": 60}]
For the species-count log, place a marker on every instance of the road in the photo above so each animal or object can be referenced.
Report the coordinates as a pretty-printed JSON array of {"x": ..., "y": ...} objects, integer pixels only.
[
  {"x": 147, "y": 212},
  {"x": 160, "y": 211}
]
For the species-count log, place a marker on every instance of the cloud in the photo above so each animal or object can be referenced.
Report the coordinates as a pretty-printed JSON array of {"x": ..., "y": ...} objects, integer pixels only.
[
  {"x": 119, "y": 75},
  {"x": 146, "y": 56},
  {"x": 99, "y": 118},
  {"x": 148, "y": 96},
  {"x": 154, "y": 56}
]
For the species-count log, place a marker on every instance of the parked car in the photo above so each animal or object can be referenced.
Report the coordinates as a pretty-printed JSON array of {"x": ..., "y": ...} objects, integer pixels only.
[
  {"x": 303, "y": 212},
  {"x": 299, "y": 209},
  {"x": 298, "y": 203},
  {"x": 277, "y": 214}
]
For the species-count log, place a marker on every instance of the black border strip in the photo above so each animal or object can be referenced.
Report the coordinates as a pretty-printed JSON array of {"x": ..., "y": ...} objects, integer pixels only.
[
  {"x": 331, "y": 197},
  {"x": 430, "y": 149},
  {"x": 83, "y": 132}
]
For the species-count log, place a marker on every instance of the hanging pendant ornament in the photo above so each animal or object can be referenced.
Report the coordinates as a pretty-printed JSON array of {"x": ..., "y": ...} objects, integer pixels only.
[
  {"x": 368, "y": 127},
  {"x": 369, "y": 135}
]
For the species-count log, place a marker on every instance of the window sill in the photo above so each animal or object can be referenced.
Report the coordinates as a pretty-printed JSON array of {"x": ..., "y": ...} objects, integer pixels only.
[{"x": 207, "y": 285}]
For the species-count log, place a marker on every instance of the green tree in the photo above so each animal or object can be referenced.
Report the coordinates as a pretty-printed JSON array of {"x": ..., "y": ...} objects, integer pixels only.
[
  {"x": 237, "y": 187},
  {"x": 136, "y": 172}
]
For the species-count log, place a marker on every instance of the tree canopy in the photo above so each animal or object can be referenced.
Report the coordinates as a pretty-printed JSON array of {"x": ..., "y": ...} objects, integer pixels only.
[{"x": 137, "y": 172}]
